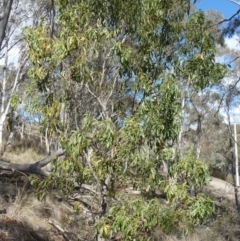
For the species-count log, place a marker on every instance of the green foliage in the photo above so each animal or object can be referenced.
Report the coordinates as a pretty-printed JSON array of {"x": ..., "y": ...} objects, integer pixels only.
[
  {"x": 192, "y": 170},
  {"x": 127, "y": 59},
  {"x": 135, "y": 218},
  {"x": 15, "y": 101}
]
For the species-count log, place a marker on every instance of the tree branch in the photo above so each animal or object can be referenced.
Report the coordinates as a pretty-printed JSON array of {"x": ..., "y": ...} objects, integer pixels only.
[{"x": 238, "y": 3}]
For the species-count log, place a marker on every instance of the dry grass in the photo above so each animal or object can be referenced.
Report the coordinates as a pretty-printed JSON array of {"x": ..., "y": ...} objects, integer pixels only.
[
  {"x": 26, "y": 150},
  {"x": 200, "y": 234},
  {"x": 25, "y": 156},
  {"x": 27, "y": 218},
  {"x": 221, "y": 229}
]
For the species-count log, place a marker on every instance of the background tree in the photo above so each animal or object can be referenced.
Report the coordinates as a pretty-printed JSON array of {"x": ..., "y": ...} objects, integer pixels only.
[
  {"x": 14, "y": 88},
  {"x": 209, "y": 110}
]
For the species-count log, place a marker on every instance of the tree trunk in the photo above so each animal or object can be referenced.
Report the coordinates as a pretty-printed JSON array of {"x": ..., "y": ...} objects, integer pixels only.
[
  {"x": 179, "y": 144},
  {"x": 22, "y": 130},
  {"x": 47, "y": 142},
  {"x": 198, "y": 137},
  {"x": 1, "y": 138},
  {"x": 13, "y": 127},
  {"x": 6, "y": 96},
  {"x": 3, "y": 113},
  {"x": 5, "y": 13}
]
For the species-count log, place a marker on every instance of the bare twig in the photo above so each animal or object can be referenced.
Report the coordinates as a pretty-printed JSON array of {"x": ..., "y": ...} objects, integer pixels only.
[
  {"x": 238, "y": 3},
  {"x": 228, "y": 19},
  {"x": 60, "y": 229},
  {"x": 88, "y": 159},
  {"x": 90, "y": 188}
]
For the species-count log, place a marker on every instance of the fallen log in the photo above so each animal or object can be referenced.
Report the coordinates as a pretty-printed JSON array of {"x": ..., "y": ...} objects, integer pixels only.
[{"x": 32, "y": 168}]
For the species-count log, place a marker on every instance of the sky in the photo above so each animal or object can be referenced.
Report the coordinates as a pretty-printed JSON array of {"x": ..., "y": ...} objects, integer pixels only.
[{"x": 226, "y": 7}]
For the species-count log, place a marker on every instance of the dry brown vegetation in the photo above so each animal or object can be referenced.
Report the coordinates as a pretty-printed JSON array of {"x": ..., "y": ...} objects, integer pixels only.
[
  {"x": 24, "y": 217},
  {"x": 26, "y": 156}
]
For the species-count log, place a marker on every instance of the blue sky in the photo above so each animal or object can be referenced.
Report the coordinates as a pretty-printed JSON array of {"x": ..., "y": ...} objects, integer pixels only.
[{"x": 225, "y": 6}]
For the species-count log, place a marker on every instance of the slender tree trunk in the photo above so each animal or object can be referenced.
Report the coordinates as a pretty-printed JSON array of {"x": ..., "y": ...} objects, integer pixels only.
[
  {"x": 41, "y": 140},
  {"x": 3, "y": 95},
  {"x": 22, "y": 130},
  {"x": 181, "y": 128},
  {"x": 6, "y": 96},
  {"x": 13, "y": 128},
  {"x": 1, "y": 138},
  {"x": 49, "y": 166},
  {"x": 197, "y": 148},
  {"x": 197, "y": 140},
  {"x": 5, "y": 13},
  {"x": 47, "y": 142}
]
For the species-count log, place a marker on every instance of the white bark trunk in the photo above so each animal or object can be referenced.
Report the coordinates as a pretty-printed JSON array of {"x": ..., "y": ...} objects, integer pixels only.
[
  {"x": 1, "y": 139},
  {"x": 47, "y": 142},
  {"x": 22, "y": 130},
  {"x": 197, "y": 141},
  {"x": 5, "y": 105},
  {"x": 13, "y": 128},
  {"x": 3, "y": 113},
  {"x": 181, "y": 127}
]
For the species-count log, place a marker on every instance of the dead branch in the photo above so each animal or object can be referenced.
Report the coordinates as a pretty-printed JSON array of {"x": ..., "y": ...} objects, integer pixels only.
[
  {"x": 33, "y": 168},
  {"x": 61, "y": 230}
]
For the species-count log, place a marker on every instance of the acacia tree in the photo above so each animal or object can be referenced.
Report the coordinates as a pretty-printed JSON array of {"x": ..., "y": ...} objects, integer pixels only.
[{"x": 123, "y": 62}]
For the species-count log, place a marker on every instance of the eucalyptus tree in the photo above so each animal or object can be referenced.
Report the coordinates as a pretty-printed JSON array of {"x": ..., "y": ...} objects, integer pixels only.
[
  {"x": 16, "y": 15},
  {"x": 205, "y": 129},
  {"x": 12, "y": 65},
  {"x": 108, "y": 82}
]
